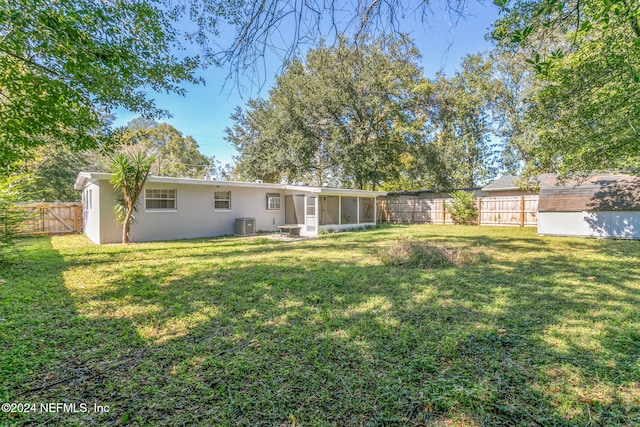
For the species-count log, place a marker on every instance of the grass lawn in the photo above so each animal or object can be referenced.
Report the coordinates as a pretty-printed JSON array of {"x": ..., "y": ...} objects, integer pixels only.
[{"x": 521, "y": 330}]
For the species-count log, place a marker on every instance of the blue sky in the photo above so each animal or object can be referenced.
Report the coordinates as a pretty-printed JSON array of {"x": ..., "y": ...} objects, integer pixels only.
[{"x": 205, "y": 110}]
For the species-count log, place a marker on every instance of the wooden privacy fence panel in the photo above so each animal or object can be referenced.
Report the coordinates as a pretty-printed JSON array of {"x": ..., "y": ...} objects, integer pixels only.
[
  {"x": 502, "y": 210},
  {"x": 513, "y": 210},
  {"x": 428, "y": 211},
  {"x": 52, "y": 218}
]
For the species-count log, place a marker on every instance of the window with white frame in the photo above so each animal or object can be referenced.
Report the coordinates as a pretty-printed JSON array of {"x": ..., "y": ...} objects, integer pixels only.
[
  {"x": 160, "y": 199},
  {"x": 273, "y": 201},
  {"x": 222, "y": 200}
]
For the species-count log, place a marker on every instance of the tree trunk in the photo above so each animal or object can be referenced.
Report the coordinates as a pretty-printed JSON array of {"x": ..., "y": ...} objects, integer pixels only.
[{"x": 126, "y": 228}]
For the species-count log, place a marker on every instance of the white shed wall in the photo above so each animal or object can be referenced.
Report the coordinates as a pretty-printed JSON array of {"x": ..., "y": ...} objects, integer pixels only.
[
  {"x": 621, "y": 225},
  {"x": 91, "y": 212},
  {"x": 110, "y": 230}
]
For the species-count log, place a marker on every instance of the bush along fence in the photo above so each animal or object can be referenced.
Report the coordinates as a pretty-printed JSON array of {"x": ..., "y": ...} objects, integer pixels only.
[
  {"x": 51, "y": 218},
  {"x": 501, "y": 210}
]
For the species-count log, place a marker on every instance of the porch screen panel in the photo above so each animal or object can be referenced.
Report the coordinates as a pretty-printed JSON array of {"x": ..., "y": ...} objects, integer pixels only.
[{"x": 367, "y": 205}]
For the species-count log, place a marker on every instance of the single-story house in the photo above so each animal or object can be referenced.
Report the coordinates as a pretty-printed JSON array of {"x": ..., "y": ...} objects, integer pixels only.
[
  {"x": 511, "y": 185},
  {"x": 603, "y": 205},
  {"x": 181, "y": 208}
]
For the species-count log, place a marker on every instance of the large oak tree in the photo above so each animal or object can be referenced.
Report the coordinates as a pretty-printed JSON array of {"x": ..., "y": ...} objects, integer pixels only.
[{"x": 344, "y": 116}]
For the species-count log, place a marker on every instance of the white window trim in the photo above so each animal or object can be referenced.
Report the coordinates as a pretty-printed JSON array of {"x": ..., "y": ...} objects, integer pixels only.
[
  {"x": 222, "y": 209},
  {"x": 270, "y": 198},
  {"x": 161, "y": 210}
]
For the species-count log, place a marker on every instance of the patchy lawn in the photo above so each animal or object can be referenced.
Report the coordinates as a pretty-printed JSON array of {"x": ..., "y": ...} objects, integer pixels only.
[{"x": 506, "y": 328}]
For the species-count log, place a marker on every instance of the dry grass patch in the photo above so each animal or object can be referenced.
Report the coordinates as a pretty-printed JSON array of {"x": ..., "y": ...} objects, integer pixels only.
[{"x": 410, "y": 252}]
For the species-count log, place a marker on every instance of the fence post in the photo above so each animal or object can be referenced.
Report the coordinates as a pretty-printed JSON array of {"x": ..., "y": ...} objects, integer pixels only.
[
  {"x": 444, "y": 212},
  {"x": 479, "y": 210},
  {"x": 521, "y": 211}
]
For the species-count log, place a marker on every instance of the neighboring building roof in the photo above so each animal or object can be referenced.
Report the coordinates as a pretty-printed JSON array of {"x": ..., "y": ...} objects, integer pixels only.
[
  {"x": 512, "y": 182},
  {"x": 423, "y": 192},
  {"x": 602, "y": 192},
  {"x": 85, "y": 177}
]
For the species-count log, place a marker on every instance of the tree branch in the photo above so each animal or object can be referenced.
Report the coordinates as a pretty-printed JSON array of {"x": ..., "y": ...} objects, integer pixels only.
[{"x": 37, "y": 65}]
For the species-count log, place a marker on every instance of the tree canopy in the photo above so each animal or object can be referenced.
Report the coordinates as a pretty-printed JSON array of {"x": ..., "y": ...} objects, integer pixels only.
[
  {"x": 363, "y": 115},
  {"x": 174, "y": 154},
  {"x": 343, "y": 116},
  {"x": 587, "y": 59},
  {"x": 463, "y": 125},
  {"x": 67, "y": 64}
]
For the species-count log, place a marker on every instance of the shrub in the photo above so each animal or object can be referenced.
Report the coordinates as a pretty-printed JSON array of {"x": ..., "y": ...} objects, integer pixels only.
[{"x": 462, "y": 208}]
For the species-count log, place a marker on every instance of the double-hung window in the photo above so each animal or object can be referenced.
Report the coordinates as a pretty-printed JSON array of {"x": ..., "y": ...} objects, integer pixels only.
[
  {"x": 273, "y": 201},
  {"x": 160, "y": 199},
  {"x": 222, "y": 200}
]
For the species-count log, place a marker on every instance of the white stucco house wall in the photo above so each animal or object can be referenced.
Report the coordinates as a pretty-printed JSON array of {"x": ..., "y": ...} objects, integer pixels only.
[
  {"x": 603, "y": 205},
  {"x": 182, "y": 208}
]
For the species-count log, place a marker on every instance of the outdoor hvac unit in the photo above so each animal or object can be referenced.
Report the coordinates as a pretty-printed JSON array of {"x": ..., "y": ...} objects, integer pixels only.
[{"x": 245, "y": 226}]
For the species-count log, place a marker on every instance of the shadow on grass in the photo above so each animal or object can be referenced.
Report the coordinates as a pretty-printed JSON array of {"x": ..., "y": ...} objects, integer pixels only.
[
  {"x": 50, "y": 353},
  {"x": 262, "y": 336}
]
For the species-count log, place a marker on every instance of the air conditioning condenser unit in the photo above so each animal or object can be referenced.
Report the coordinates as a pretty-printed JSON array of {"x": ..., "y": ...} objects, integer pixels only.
[{"x": 245, "y": 226}]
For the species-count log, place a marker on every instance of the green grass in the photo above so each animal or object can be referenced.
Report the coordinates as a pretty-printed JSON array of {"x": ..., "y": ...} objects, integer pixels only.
[{"x": 533, "y": 331}]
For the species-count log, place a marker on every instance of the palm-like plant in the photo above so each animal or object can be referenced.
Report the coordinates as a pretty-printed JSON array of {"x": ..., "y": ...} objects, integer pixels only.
[{"x": 130, "y": 171}]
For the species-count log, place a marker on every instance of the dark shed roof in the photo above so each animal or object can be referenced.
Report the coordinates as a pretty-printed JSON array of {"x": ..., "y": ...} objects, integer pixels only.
[{"x": 603, "y": 192}]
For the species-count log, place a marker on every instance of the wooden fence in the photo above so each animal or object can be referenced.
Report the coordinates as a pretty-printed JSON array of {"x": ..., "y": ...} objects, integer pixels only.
[
  {"x": 502, "y": 210},
  {"x": 52, "y": 218}
]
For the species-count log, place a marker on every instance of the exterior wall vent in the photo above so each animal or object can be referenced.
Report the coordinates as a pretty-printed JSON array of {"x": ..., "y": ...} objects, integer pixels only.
[{"x": 245, "y": 226}]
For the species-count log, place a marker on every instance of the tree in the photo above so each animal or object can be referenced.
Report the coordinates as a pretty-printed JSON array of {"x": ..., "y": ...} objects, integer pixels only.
[
  {"x": 66, "y": 64},
  {"x": 462, "y": 125},
  {"x": 175, "y": 155},
  {"x": 344, "y": 116},
  {"x": 515, "y": 88},
  {"x": 53, "y": 170},
  {"x": 11, "y": 216},
  {"x": 587, "y": 59},
  {"x": 284, "y": 27},
  {"x": 130, "y": 171}
]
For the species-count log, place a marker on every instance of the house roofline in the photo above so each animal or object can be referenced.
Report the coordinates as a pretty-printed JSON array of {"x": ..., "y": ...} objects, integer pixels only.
[{"x": 84, "y": 177}]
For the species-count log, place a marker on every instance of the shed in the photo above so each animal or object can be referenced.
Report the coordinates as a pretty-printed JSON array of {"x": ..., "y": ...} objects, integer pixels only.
[{"x": 603, "y": 205}]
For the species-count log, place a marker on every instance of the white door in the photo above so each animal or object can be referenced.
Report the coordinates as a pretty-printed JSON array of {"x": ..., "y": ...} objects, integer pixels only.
[{"x": 310, "y": 217}]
